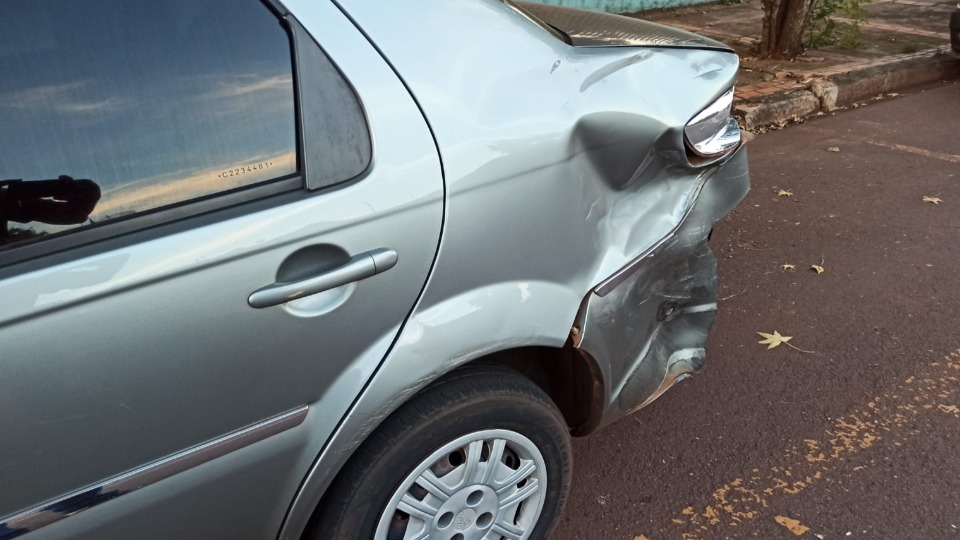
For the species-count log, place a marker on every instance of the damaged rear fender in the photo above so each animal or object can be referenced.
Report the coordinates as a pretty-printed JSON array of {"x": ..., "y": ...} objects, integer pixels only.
[{"x": 646, "y": 325}]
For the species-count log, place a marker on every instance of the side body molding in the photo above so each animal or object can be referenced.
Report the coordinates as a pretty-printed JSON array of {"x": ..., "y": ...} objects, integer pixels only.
[{"x": 85, "y": 499}]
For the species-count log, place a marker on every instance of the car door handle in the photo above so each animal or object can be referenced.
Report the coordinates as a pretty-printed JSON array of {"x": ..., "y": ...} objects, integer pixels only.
[{"x": 358, "y": 267}]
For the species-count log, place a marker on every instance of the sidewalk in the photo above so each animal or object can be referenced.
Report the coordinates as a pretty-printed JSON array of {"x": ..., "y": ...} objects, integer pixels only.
[{"x": 903, "y": 43}]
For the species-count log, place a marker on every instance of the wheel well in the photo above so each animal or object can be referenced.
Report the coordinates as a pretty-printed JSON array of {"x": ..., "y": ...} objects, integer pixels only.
[{"x": 569, "y": 376}]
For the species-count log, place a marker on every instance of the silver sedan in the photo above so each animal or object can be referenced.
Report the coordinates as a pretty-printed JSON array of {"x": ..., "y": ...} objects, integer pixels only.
[{"x": 342, "y": 268}]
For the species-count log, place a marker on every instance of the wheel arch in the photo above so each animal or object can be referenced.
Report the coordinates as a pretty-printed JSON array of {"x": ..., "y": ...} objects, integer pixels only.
[
  {"x": 570, "y": 377},
  {"x": 524, "y": 325}
]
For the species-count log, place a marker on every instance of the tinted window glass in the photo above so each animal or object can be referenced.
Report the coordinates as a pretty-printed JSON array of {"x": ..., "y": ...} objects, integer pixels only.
[{"x": 115, "y": 107}]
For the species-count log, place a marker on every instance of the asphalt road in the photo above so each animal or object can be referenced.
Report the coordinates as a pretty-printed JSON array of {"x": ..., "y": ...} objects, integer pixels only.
[{"x": 857, "y": 440}]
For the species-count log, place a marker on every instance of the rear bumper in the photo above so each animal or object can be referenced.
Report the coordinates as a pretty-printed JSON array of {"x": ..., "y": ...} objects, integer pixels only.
[{"x": 647, "y": 325}]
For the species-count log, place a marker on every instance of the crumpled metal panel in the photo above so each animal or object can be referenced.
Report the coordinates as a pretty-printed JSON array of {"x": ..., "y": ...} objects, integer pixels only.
[
  {"x": 651, "y": 326},
  {"x": 595, "y": 29}
]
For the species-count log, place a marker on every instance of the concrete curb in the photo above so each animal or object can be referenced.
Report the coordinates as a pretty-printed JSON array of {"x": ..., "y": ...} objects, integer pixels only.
[{"x": 839, "y": 90}]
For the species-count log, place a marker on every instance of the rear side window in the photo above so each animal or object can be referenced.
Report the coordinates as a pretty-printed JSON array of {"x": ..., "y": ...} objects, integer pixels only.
[{"x": 112, "y": 108}]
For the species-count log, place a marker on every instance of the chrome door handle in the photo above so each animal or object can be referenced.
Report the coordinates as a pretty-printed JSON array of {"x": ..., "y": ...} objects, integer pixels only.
[{"x": 358, "y": 267}]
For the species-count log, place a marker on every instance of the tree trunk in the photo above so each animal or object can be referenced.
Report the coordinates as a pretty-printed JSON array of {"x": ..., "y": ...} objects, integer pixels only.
[{"x": 783, "y": 26}]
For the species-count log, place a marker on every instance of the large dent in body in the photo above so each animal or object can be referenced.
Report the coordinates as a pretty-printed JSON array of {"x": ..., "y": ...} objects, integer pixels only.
[
  {"x": 561, "y": 164},
  {"x": 602, "y": 171},
  {"x": 650, "y": 327}
]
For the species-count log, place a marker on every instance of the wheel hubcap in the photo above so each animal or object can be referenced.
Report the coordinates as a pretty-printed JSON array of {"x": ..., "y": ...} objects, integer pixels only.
[
  {"x": 486, "y": 485},
  {"x": 469, "y": 512}
]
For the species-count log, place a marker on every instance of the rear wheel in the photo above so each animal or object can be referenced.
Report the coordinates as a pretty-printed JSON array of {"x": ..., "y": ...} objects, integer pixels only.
[{"x": 482, "y": 454}]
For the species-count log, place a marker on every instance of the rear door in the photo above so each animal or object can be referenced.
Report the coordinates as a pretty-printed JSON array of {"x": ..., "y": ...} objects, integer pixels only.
[{"x": 160, "y": 163}]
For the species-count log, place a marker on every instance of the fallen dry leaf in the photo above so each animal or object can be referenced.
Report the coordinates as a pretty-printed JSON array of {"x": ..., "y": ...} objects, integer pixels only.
[
  {"x": 818, "y": 268},
  {"x": 775, "y": 340},
  {"x": 933, "y": 200},
  {"x": 792, "y": 525},
  {"x": 788, "y": 266},
  {"x": 833, "y": 149},
  {"x": 785, "y": 193}
]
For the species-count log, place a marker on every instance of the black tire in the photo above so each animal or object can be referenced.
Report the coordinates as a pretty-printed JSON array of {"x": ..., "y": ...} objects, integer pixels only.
[{"x": 465, "y": 402}]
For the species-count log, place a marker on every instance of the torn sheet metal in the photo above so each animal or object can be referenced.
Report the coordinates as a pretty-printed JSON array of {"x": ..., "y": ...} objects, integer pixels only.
[{"x": 649, "y": 321}]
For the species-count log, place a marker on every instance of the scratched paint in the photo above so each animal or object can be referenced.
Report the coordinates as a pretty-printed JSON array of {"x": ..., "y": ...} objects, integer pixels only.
[{"x": 804, "y": 464}]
